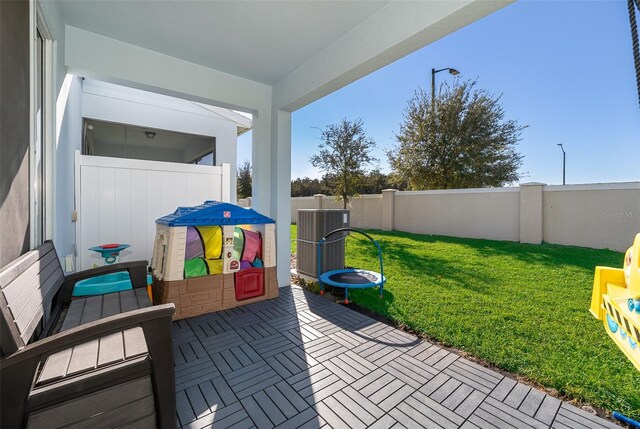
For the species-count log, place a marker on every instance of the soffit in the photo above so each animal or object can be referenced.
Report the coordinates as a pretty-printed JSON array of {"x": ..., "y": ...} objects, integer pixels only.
[{"x": 259, "y": 40}]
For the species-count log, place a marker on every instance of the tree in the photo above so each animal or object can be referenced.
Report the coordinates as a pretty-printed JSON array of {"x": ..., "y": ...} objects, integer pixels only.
[
  {"x": 243, "y": 180},
  {"x": 372, "y": 182},
  {"x": 461, "y": 141},
  {"x": 344, "y": 151},
  {"x": 305, "y": 187},
  {"x": 375, "y": 181}
]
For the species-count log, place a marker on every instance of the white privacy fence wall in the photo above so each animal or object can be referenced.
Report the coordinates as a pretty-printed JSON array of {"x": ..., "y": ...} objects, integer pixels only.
[
  {"x": 118, "y": 200},
  {"x": 472, "y": 213},
  {"x": 599, "y": 216},
  {"x": 596, "y": 215}
]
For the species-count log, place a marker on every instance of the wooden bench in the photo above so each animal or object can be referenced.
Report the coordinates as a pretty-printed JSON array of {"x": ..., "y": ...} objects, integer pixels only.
[{"x": 98, "y": 361}]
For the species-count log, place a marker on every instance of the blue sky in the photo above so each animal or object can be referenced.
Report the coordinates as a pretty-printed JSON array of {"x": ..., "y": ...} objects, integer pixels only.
[{"x": 564, "y": 68}]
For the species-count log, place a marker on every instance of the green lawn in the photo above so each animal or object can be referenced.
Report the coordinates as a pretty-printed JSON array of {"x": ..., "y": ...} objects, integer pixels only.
[
  {"x": 294, "y": 234},
  {"x": 523, "y": 308}
]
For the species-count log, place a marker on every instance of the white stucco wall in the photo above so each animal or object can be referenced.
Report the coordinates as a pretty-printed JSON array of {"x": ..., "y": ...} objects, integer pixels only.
[
  {"x": 113, "y": 103},
  {"x": 473, "y": 213},
  {"x": 300, "y": 203},
  {"x": 600, "y": 216},
  {"x": 69, "y": 140},
  {"x": 366, "y": 211},
  {"x": 63, "y": 108},
  {"x": 74, "y": 101}
]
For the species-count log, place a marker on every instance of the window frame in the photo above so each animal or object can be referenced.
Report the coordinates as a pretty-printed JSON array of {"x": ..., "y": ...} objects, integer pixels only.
[{"x": 42, "y": 131}]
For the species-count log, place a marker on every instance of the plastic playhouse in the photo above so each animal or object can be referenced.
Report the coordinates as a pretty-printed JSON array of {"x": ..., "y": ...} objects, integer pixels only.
[
  {"x": 616, "y": 301},
  {"x": 213, "y": 257}
]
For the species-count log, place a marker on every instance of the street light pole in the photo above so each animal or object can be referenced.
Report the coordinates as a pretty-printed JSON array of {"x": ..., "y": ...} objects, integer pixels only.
[
  {"x": 452, "y": 72},
  {"x": 433, "y": 87},
  {"x": 564, "y": 163}
]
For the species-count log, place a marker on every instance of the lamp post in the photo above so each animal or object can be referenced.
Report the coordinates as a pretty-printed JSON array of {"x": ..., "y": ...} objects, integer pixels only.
[
  {"x": 564, "y": 158},
  {"x": 452, "y": 72}
]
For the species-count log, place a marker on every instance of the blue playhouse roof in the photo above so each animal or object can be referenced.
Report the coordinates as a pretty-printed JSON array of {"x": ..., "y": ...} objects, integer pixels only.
[{"x": 214, "y": 213}]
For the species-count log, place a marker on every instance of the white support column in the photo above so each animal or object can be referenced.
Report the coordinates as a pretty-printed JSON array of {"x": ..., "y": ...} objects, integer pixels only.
[
  {"x": 271, "y": 180},
  {"x": 226, "y": 182},
  {"x": 281, "y": 190},
  {"x": 261, "y": 163}
]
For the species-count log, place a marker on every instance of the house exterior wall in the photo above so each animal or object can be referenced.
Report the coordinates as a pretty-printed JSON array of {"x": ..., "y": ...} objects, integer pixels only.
[
  {"x": 112, "y": 103},
  {"x": 64, "y": 103},
  {"x": 15, "y": 135},
  {"x": 73, "y": 100},
  {"x": 69, "y": 140},
  {"x": 597, "y": 216}
]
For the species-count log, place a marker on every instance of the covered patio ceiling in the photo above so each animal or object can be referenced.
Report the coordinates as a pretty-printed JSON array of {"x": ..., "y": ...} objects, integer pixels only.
[
  {"x": 261, "y": 41},
  {"x": 279, "y": 43}
]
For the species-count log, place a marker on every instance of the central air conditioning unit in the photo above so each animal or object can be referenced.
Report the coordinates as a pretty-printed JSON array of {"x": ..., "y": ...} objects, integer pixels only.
[{"x": 313, "y": 224}]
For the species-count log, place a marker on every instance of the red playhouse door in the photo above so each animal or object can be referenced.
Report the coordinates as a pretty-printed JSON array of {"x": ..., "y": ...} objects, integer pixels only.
[{"x": 249, "y": 283}]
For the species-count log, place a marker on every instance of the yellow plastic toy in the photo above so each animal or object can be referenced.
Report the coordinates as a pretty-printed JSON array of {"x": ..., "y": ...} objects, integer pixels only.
[{"x": 616, "y": 301}]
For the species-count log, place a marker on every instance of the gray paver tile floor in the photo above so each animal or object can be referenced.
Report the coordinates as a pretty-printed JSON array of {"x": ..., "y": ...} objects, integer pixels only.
[{"x": 301, "y": 361}]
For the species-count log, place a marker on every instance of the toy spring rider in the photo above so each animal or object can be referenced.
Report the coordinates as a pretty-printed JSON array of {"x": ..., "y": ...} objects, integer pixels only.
[
  {"x": 109, "y": 252},
  {"x": 616, "y": 301}
]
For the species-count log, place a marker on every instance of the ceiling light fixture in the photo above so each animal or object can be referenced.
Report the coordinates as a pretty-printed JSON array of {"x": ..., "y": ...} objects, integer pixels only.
[{"x": 150, "y": 134}]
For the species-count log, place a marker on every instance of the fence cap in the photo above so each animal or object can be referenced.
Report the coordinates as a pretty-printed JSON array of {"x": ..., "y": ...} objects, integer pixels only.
[
  {"x": 322, "y": 210},
  {"x": 532, "y": 184},
  {"x": 214, "y": 213}
]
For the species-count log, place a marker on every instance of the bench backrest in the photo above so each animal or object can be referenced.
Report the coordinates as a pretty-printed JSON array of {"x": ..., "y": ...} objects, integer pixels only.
[{"x": 29, "y": 285}]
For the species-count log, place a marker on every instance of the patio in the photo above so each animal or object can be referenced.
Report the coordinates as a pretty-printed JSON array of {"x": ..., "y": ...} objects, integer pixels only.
[{"x": 303, "y": 361}]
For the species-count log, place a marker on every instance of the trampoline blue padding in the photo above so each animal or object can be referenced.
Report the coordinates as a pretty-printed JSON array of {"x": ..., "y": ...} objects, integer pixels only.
[
  {"x": 349, "y": 278},
  {"x": 353, "y": 277}
]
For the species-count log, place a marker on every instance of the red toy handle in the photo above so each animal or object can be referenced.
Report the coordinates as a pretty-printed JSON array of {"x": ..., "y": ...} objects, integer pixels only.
[{"x": 110, "y": 246}]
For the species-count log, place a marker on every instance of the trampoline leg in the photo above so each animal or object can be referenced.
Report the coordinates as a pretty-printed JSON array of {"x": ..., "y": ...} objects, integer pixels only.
[{"x": 346, "y": 295}]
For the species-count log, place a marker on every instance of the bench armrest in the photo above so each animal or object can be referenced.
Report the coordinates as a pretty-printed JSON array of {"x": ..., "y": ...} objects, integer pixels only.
[
  {"x": 148, "y": 318},
  {"x": 18, "y": 370},
  {"x": 137, "y": 271}
]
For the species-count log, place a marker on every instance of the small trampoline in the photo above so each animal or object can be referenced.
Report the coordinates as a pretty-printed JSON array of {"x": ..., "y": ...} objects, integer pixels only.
[{"x": 349, "y": 278}]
